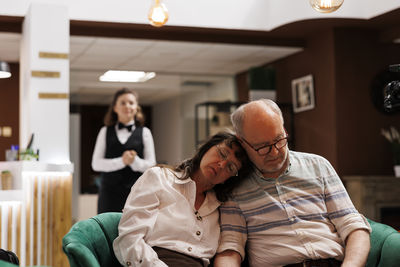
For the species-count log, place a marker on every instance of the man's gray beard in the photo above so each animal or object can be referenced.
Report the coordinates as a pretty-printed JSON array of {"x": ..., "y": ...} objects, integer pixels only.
[{"x": 282, "y": 167}]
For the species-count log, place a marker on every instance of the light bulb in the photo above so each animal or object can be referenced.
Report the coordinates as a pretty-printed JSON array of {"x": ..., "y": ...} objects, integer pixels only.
[
  {"x": 158, "y": 14},
  {"x": 326, "y": 6}
]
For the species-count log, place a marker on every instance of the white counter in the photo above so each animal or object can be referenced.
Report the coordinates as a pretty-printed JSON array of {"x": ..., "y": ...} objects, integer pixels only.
[
  {"x": 36, "y": 212},
  {"x": 18, "y": 167}
]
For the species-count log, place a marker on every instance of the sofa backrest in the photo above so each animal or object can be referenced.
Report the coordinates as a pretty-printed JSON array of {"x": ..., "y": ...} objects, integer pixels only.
[{"x": 89, "y": 243}]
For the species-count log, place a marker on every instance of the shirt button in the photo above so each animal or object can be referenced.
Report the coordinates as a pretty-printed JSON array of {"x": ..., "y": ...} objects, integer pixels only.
[
  {"x": 198, "y": 233},
  {"x": 128, "y": 263},
  {"x": 189, "y": 249}
]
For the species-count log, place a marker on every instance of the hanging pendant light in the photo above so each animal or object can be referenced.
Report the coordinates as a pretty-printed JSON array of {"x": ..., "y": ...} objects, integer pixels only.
[
  {"x": 326, "y": 6},
  {"x": 4, "y": 70},
  {"x": 158, "y": 14}
]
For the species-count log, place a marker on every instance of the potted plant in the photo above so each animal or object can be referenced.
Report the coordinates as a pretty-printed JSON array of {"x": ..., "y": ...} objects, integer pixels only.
[
  {"x": 393, "y": 136},
  {"x": 6, "y": 180},
  {"x": 28, "y": 154}
]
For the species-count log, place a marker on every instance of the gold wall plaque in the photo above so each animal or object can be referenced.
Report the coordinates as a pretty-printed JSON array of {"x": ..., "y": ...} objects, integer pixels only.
[
  {"x": 46, "y": 74},
  {"x": 53, "y": 95},
  {"x": 53, "y": 55}
]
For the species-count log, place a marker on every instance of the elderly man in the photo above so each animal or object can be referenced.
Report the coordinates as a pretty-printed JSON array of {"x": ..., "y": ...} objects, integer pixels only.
[{"x": 293, "y": 210}]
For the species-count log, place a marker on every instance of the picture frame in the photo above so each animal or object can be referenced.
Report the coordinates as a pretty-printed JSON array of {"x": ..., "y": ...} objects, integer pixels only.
[{"x": 303, "y": 94}]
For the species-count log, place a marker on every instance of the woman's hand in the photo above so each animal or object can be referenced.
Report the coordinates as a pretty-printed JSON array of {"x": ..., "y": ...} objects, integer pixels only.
[{"x": 128, "y": 156}]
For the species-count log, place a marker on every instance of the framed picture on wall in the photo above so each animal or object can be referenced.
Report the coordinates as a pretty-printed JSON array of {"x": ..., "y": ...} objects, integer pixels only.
[{"x": 303, "y": 93}]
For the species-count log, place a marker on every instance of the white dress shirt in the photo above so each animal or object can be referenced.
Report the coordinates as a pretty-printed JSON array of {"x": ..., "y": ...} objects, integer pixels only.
[
  {"x": 102, "y": 164},
  {"x": 160, "y": 212}
]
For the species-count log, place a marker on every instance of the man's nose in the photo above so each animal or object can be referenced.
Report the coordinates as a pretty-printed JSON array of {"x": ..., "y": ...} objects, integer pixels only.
[{"x": 274, "y": 151}]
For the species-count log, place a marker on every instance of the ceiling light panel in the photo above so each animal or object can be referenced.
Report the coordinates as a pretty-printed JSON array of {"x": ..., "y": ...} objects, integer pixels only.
[{"x": 126, "y": 76}]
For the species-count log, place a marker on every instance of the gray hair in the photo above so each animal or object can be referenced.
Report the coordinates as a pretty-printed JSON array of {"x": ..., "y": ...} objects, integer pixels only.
[{"x": 238, "y": 115}]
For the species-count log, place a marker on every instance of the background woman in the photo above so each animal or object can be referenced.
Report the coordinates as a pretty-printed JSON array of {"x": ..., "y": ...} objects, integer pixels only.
[
  {"x": 171, "y": 215},
  {"x": 124, "y": 150}
]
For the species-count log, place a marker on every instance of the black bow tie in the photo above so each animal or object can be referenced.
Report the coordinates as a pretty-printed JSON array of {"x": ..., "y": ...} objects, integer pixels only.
[{"x": 121, "y": 126}]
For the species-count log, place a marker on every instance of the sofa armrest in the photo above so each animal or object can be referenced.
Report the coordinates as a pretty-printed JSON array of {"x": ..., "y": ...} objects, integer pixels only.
[
  {"x": 378, "y": 252},
  {"x": 390, "y": 256},
  {"x": 79, "y": 255}
]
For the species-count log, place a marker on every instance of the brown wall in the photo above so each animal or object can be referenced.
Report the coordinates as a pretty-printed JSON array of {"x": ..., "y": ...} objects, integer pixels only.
[
  {"x": 9, "y": 109},
  {"x": 314, "y": 129},
  {"x": 91, "y": 122},
  {"x": 359, "y": 58},
  {"x": 345, "y": 126}
]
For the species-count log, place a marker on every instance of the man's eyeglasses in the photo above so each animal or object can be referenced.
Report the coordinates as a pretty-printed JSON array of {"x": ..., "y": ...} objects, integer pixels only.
[
  {"x": 230, "y": 166},
  {"x": 266, "y": 149}
]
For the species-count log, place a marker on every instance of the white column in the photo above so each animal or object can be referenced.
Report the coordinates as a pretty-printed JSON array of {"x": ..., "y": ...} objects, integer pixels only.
[{"x": 44, "y": 82}]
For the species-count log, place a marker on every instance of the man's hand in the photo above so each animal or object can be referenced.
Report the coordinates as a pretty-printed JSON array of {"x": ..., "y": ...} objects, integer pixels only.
[
  {"x": 128, "y": 156},
  {"x": 357, "y": 249},
  {"x": 228, "y": 258}
]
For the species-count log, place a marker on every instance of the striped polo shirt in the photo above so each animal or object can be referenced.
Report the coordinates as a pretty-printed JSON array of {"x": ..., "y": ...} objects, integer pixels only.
[{"x": 305, "y": 213}]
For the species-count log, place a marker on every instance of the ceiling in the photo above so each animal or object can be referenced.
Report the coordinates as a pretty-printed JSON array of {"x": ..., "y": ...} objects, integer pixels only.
[
  {"x": 180, "y": 66},
  {"x": 182, "y": 57}
]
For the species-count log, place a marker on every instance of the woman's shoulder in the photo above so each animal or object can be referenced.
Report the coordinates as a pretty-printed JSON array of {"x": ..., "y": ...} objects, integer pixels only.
[
  {"x": 154, "y": 169},
  {"x": 105, "y": 127},
  {"x": 162, "y": 173},
  {"x": 160, "y": 170},
  {"x": 103, "y": 130},
  {"x": 146, "y": 130}
]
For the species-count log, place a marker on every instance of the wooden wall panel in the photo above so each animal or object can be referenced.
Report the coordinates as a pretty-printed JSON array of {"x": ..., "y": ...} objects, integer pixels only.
[
  {"x": 47, "y": 219},
  {"x": 35, "y": 220},
  {"x": 9, "y": 230},
  {"x": 49, "y": 207},
  {"x": 18, "y": 251},
  {"x": 43, "y": 216},
  {"x": 12, "y": 223}
]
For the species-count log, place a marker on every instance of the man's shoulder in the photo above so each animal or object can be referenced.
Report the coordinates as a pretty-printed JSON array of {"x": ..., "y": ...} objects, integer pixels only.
[
  {"x": 309, "y": 163},
  {"x": 247, "y": 184},
  {"x": 303, "y": 156}
]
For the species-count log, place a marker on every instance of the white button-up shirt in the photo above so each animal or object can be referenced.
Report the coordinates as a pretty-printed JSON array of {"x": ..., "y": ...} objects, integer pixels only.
[{"x": 160, "y": 212}]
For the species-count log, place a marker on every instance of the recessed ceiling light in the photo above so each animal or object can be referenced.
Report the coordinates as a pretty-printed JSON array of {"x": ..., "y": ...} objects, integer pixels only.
[
  {"x": 4, "y": 70},
  {"x": 126, "y": 76}
]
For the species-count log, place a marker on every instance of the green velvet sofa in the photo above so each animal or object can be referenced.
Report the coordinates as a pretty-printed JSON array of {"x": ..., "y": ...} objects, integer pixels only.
[
  {"x": 385, "y": 246},
  {"x": 89, "y": 243},
  {"x": 6, "y": 264}
]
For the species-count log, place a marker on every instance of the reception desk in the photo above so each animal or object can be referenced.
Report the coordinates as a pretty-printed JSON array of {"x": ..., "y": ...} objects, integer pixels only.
[{"x": 35, "y": 213}]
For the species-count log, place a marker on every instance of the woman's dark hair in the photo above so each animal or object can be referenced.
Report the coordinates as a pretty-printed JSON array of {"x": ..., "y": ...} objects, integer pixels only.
[
  {"x": 190, "y": 166},
  {"x": 111, "y": 117}
]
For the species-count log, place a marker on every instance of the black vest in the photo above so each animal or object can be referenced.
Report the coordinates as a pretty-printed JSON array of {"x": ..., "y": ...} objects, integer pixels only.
[{"x": 125, "y": 177}]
